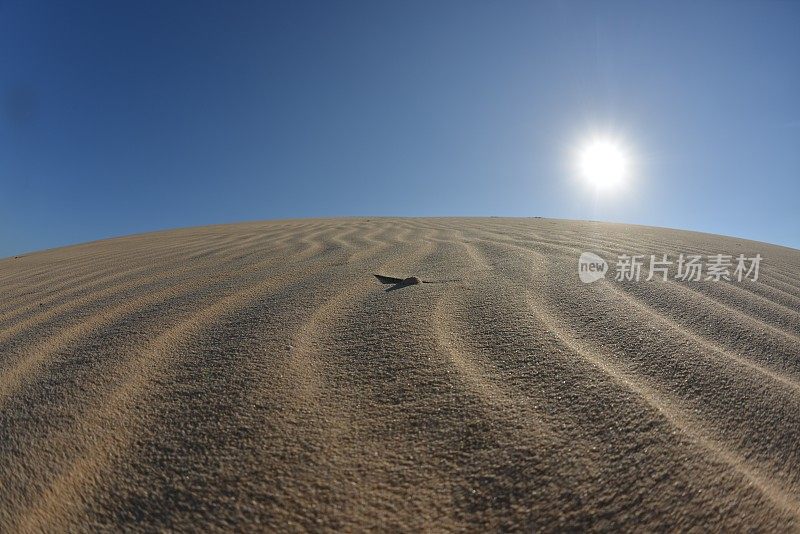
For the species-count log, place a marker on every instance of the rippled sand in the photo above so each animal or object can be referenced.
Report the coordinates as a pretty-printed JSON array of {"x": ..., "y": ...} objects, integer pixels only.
[{"x": 259, "y": 377}]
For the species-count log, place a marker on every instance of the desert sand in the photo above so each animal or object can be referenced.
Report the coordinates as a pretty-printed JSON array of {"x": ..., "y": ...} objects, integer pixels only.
[{"x": 259, "y": 376}]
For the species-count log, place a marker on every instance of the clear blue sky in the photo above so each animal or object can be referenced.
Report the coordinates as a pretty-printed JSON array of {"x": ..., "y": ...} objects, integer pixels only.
[{"x": 128, "y": 117}]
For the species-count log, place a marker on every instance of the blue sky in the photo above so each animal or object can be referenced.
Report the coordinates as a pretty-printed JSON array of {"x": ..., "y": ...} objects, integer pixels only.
[{"x": 128, "y": 117}]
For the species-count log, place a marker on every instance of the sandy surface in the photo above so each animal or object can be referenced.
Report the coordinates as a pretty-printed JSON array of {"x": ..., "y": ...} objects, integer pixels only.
[{"x": 258, "y": 376}]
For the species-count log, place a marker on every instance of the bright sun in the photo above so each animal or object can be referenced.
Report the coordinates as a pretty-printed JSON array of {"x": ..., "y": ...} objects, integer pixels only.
[{"x": 603, "y": 164}]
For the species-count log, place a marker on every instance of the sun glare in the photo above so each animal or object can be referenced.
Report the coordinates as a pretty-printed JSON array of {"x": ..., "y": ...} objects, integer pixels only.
[{"x": 603, "y": 164}]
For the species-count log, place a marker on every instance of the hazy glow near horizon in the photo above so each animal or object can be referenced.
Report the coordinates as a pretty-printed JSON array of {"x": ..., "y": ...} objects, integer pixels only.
[{"x": 604, "y": 164}]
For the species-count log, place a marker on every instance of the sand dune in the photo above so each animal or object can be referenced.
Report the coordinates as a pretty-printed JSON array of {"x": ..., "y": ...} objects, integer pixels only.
[{"x": 259, "y": 377}]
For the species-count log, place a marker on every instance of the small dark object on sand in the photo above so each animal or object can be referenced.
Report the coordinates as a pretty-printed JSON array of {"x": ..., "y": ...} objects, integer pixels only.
[
  {"x": 399, "y": 283},
  {"x": 388, "y": 279}
]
